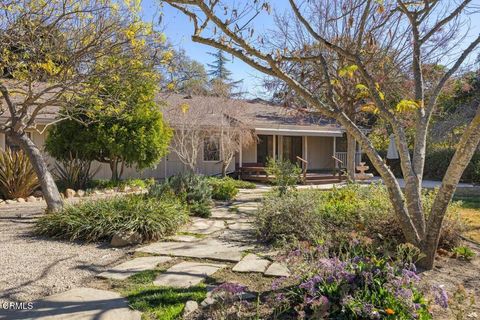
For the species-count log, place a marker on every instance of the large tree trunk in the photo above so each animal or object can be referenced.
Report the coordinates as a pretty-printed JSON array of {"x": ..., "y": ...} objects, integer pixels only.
[
  {"x": 351, "y": 153},
  {"x": 49, "y": 187}
]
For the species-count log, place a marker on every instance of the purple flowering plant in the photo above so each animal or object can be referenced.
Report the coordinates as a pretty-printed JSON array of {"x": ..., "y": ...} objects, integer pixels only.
[{"x": 354, "y": 287}]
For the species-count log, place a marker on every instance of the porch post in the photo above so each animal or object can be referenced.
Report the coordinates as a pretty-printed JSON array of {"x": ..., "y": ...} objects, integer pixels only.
[
  {"x": 275, "y": 147},
  {"x": 305, "y": 149},
  {"x": 334, "y": 151}
]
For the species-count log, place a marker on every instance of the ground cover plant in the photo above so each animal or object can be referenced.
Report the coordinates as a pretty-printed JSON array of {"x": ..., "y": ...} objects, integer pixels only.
[
  {"x": 157, "y": 302},
  {"x": 340, "y": 214},
  {"x": 97, "y": 220},
  {"x": 120, "y": 184},
  {"x": 223, "y": 188},
  {"x": 192, "y": 189}
]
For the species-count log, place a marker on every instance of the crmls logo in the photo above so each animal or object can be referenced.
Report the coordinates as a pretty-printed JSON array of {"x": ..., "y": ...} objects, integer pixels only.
[{"x": 17, "y": 305}]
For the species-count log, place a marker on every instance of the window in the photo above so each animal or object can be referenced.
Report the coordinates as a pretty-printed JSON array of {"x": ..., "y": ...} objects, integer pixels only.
[
  {"x": 211, "y": 149},
  {"x": 12, "y": 145},
  {"x": 264, "y": 148}
]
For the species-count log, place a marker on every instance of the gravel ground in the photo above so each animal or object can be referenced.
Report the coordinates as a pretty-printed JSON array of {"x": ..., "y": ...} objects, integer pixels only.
[{"x": 33, "y": 267}]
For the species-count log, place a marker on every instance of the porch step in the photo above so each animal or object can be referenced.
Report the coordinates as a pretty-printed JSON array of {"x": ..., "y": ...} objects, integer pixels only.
[{"x": 322, "y": 181}]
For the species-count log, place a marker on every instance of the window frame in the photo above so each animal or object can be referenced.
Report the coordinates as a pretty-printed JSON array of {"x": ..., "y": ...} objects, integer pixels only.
[{"x": 206, "y": 140}]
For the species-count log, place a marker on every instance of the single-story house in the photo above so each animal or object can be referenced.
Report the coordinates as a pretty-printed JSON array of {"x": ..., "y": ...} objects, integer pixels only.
[{"x": 282, "y": 132}]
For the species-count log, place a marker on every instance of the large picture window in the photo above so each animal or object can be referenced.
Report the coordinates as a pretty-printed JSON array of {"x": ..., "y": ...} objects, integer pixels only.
[{"x": 211, "y": 149}]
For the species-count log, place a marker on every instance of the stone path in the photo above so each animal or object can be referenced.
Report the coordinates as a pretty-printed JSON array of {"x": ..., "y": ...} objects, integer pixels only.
[
  {"x": 78, "y": 304},
  {"x": 228, "y": 236}
]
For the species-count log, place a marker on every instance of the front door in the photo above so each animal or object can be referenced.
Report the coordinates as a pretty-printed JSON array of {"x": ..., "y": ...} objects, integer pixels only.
[{"x": 292, "y": 148}]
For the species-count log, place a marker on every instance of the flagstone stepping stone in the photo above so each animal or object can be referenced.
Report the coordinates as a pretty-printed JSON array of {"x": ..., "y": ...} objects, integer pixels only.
[
  {"x": 204, "y": 226},
  {"x": 251, "y": 263},
  {"x": 225, "y": 214},
  {"x": 184, "y": 238},
  {"x": 186, "y": 274},
  {"x": 129, "y": 268},
  {"x": 204, "y": 249},
  {"x": 79, "y": 304},
  {"x": 241, "y": 226},
  {"x": 277, "y": 270}
]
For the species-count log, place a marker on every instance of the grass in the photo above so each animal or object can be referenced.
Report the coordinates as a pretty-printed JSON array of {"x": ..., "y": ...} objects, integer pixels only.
[
  {"x": 470, "y": 212},
  {"x": 158, "y": 302}
]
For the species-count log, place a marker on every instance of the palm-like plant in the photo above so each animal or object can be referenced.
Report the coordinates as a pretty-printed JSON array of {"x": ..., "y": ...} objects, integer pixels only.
[
  {"x": 17, "y": 176},
  {"x": 74, "y": 173}
]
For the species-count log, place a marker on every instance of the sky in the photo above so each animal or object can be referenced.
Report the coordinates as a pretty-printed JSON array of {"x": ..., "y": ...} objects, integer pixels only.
[{"x": 178, "y": 30}]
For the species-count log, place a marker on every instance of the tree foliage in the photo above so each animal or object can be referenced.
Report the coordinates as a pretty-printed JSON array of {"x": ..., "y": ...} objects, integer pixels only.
[{"x": 120, "y": 125}]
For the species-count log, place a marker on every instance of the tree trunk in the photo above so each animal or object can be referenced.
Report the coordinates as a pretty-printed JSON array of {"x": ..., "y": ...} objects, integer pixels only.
[
  {"x": 351, "y": 153},
  {"x": 114, "y": 169},
  {"x": 224, "y": 169},
  {"x": 47, "y": 183}
]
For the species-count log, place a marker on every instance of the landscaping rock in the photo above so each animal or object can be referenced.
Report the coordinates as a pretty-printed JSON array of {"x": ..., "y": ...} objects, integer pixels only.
[
  {"x": 190, "y": 307},
  {"x": 207, "y": 301},
  {"x": 31, "y": 199},
  {"x": 109, "y": 191},
  {"x": 79, "y": 303},
  {"x": 2, "y": 202},
  {"x": 251, "y": 263},
  {"x": 80, "y": 193},
  {"x": 10, "y": 201},
  {"x": 129, "y": 268},
  {"x": 123, "y": 239},
  {"x": 204, "y": 249},
  {"x": 38, "y": 194},
  {"x": 186, "y": 274},
  {"x": 69, "y": 193},
  {"x": 20, "y": 200},
  {"x": 277, "y": 270}
]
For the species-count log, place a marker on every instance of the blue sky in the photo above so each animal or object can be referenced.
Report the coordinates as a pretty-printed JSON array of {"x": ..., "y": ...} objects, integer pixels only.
[{"x": 178, "y": 30}]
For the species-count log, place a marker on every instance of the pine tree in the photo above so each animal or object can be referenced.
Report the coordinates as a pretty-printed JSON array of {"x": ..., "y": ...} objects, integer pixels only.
[{"x": 221, "y": 81}]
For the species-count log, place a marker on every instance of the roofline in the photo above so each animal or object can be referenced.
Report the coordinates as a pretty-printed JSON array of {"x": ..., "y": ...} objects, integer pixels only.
[{"x": 301, "y": 132}]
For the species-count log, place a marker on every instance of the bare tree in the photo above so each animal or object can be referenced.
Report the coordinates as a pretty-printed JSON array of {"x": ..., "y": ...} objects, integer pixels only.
[
  {"x": 49, "y": 50},
  {"x": 414, "y": 33}
]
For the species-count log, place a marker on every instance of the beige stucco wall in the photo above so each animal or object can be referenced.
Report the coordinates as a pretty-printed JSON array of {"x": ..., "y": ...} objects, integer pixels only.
[{"x": 168, "y": 166}]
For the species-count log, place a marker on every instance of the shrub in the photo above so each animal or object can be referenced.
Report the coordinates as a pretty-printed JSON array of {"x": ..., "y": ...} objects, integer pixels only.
[
  {"x": 345, "y": 214},
  {"x": 193, "y": 189},
  {"x": 241, "y": 184},
  {"x": 284, "y": 174},
  {"x": 287, "y": 218},
  {"x": 152, "y": 218},
  {"x": 74, "y": 173},
  {"x": 223, "y": 189},
  {"x": 357, "y": 287},
  {"x": 121, "y": 184},
  {"x": 17, "y": 176}
]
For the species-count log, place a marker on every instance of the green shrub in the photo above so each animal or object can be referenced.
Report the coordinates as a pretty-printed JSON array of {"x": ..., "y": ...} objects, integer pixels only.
[
  {"x": 193, "y": 189},
  {"x": 223, "y": 189},
  {"x": 464, "y": 253},
  {"x": 284, "y": 174},
  {"x": 241, "y": 184},
  {"x": 350, "y": 213},
  {"x": 288, "y": 218},
  {"x": 17, "y": 176},
  {"x": 97, "y": 220}
]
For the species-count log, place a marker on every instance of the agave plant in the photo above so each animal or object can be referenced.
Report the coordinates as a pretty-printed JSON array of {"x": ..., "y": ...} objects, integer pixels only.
[
  {"x": 74, "y": 173},
  {"x": 17, "y": 176}
]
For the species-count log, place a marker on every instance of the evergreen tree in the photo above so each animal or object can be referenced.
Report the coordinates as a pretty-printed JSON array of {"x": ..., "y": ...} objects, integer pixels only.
[{"x": 221, "y": 81}]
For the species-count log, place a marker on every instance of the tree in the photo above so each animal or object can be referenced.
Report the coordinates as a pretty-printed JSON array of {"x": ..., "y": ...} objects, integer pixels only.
[
  {"x": 222, "y": 84},
  {"x": 414, "y": 34},
  {"x": 49, "y": 48},
  {"x": 128, "y": 132},
  {"x": 184, "y": 75}
]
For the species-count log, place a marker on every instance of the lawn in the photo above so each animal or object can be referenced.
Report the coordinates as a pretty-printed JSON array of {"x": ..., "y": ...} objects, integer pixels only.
[{"x": 470, "y": 212}]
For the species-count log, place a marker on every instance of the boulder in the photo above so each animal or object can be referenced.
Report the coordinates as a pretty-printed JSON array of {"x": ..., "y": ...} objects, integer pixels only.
[
  {"x": 69, "y": 193},
  {"x": 10, "y": 201},
  {"x": 80, "y": 193},
  {"x": 127, "y": 238},
  {"x": 2, "y": 202},
  {"x": 31, "y": 199},
  {"x": 38, "y": 194},
  {"x": 190, "y": 307},
  {"x": 109, "y": 191},
  {"x": 20, "y": 200}
]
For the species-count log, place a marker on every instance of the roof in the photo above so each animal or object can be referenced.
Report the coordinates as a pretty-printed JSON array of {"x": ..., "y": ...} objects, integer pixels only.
[{"x": 264, "y": 117}]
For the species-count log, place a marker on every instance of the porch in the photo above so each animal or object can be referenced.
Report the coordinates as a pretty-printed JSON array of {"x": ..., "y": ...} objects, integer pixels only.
[{"x": 321, "y": 155}]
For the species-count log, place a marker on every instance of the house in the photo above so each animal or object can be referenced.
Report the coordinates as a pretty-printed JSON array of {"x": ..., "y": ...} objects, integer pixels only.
[{"x": 316, "y": 143}]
